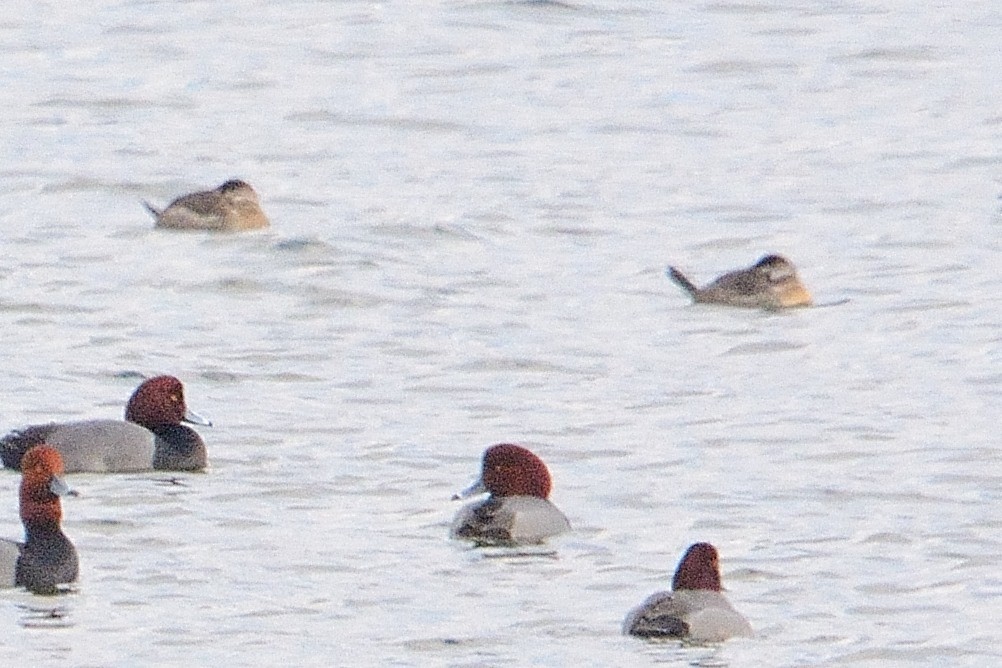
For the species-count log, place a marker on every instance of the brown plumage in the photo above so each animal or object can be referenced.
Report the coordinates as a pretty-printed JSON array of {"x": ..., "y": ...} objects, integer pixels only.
[
  {"x": 231, "y": 207},
  {"x": 771, "y": 283}
]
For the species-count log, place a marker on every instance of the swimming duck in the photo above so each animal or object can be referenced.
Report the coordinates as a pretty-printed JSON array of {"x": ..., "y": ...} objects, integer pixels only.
[
  {"x": 771, "y": 283},
  {"x": 517, "y": 510},
  {"x": 231, "y": 207},
  {"x": 695, "y": 608},
  {"x": 151, "y": 437},
  {"x": 46, "y": 558}
]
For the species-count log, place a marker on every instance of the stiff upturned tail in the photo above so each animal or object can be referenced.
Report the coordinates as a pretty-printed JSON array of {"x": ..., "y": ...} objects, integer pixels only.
[
  {"x": 683, "y": 282},
  {"x": 152, "y": 210}
]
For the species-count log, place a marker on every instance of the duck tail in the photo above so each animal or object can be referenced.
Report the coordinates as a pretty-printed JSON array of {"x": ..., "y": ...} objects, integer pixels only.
[
  {"x": 15, "y": 444},
  {"x": 683, "y": 282},
  {"x": 10, "y": 454},
  {"x": 152, "y": 210}
]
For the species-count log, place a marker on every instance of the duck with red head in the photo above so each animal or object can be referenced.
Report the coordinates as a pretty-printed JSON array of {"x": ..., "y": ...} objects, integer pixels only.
[
  {"x": 771, "y": 283},
  {"x": 47, "y": 558},
  {"x": 151, "y": 437},
  {"x": 518, "y": 510},
  {"x": 695, "y": 609}
]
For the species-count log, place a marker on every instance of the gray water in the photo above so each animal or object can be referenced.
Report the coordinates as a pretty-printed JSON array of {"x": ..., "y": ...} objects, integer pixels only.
[{"x": 473, "y": 204}]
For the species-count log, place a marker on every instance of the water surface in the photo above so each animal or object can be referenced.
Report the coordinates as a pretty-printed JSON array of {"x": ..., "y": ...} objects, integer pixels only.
[{"x": 473, "y": 204}]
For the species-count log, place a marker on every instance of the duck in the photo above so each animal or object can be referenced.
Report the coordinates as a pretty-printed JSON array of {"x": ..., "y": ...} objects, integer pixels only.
[
  {"x": 46, "y": 558},
  {"x": 695, "y": 608},
  {"x": 233, "y": 206},
  {"x": 518, "y": 510},
  {"x": 770, "y": 283},
  {"x": 152, "y": 436}
]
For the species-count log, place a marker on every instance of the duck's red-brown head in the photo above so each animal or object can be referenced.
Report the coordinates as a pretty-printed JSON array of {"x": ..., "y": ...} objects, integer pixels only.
[
  {"x": 41, "y": 487},
  {"x": 511, "y": 470},
  {"x": 699, "y": 569},
  {"x": 159, "y": 401}
]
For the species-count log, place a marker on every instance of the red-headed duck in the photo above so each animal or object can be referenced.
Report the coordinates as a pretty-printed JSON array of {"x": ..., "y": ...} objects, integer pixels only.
[
  {"x": 771, "y": 283},
  {"x": 151, "y": 438},
  {"x": 231, "y": 207},
  {"x": 47, "y": 557},
  {"x": 517, "y": 510},
  {"x": 695, "y": 608}
]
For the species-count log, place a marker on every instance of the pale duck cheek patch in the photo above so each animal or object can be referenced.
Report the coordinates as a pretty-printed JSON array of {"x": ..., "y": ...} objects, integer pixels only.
[{"x": 780, "y": 274}]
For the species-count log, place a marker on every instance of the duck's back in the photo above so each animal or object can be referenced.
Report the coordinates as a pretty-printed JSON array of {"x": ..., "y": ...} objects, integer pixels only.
[
  {"x": 518, "y": 519},
  {"x": 98, "y": 446},
  {"x": 9, "y": 553},
  {"x": 745, "y": 287},
  {"x": 213, "y": 210},
  {"x": 689, "y": 613},
  {"x": 198, "y": 211},
  {"x": 711, "y": 617},
  {"x": 659, "y": 616}
]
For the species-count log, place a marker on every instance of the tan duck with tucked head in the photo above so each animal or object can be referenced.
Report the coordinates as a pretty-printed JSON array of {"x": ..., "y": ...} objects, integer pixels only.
[
  {"x": 770, "y": 283},
  {"x": 231, "y": 207}
]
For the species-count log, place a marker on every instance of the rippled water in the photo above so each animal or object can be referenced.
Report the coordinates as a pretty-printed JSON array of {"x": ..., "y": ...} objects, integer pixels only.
[{"x": 473, "y": 204}]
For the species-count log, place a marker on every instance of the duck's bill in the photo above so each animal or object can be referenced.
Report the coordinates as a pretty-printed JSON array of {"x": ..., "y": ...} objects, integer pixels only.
[
  {"x": 59, "y": 487},
  {"x": 194, "y": 418},
  {"x": 472, "y": 490}
]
